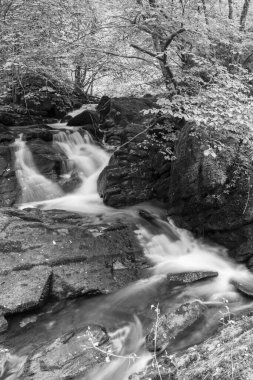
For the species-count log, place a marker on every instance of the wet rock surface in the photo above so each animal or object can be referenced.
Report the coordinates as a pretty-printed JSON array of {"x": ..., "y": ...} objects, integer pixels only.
[{"x": 61, "y": 254}]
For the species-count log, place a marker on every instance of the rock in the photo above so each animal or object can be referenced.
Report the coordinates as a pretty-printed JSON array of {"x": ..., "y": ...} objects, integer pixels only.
[
  {"x": 66, "y": 118},
  {"x": 168, "y": 326},
  {"x": 210, "y": 191},
  {"x": 84, "y": 118},
  {"x": 25, "y": 289},
  {"x": 72, "y": 356},
  {"x": 103, "y": 107},
  {"x": 189, "y": 277},
  {"x": 244, "y": 287},
  {"x": 12, "y": 366},
  {"x": 9, "y": 188},
  {"x": 17, "y": 115},
  {"x": 88, "y": 120},
  {"x": 158, "y": 226},
  {"x": 82, "y": 258},
  {"x": 139, "y": 170},
  {"x": 3, "y": 324},
  {"x": 32, "y": 132},
  {"x": 47, "y": 159},
  {"x": 71, "y": 183}
]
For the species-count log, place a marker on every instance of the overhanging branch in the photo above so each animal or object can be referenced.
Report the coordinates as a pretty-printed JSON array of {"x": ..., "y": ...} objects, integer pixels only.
[{"x": 147, "y": 52}]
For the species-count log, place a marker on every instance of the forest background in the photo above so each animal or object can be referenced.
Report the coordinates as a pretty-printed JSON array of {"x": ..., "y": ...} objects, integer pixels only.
[{"x": 198, "y": 53}]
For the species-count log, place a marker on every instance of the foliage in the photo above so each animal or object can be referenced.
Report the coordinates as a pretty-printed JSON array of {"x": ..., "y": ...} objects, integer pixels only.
[
  {"x": 224, "y": 103},
  {"x": 131, "y": 47}
]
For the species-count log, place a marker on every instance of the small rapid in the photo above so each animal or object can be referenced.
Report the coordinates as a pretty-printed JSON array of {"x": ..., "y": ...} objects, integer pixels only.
[
  {"x": 83, "y": 156},
  {"x": 169, "y": 249}
]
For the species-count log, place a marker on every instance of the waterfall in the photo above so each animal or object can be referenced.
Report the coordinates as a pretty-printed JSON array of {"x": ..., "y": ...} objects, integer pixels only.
[
  {"x": 83, "y": 156},
  {"x": 34, "y": 186}
]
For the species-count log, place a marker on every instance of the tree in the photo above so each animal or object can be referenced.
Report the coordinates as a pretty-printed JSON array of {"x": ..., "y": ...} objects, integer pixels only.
[{"x": 244, "y": 14}]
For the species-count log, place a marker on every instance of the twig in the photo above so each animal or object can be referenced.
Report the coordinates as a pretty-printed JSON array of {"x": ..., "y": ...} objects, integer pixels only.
[
  {"x": 155, "y": 340},
  {"x": 138, "y": 134},
  {"x": 247, "y": 202}
]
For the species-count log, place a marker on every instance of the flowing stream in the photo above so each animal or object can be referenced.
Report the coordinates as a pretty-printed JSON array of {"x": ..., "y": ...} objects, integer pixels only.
[{"x": 170, "y": 250}]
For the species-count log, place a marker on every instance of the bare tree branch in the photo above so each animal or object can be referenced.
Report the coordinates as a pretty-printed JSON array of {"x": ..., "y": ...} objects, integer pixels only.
[
  {"x": 121, "y": 55},
  {"x": 172, "y": 36},
  {"x": 147, "y": 52}
]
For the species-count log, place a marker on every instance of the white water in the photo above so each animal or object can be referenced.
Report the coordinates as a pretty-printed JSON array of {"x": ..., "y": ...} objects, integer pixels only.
[
  {"x": 85, "y": 157},
  {"x": 167, "y": 255},
  {"x": 34, "y": 186},
  {"x": 127, "y": 359},
  {"x": 189, "y": 255}
]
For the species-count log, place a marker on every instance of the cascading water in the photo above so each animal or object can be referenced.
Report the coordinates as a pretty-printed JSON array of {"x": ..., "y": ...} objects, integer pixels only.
[
  {"x": 170, "y": 250},
  {"x": 85, "y": 157},
  {"x": 34, "y": 186}
]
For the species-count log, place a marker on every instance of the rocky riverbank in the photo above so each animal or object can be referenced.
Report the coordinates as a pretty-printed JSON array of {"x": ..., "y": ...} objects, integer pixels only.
[{"x": 59, "y": 255}]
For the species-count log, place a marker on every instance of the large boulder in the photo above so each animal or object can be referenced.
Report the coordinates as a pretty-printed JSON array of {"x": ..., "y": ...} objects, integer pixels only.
[
  {"x": 211, "y": 189},
  {"x": 139, "y": 169},
  {"x": 61, "y": 254}
]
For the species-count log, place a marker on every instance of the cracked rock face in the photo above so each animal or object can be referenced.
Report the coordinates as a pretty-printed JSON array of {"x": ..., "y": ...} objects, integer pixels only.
[{"x": 61, "y": 254}]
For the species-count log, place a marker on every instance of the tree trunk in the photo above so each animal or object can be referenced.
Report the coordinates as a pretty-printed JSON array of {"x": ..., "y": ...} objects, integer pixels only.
[
  {"x": 78, "y": 84},
  {"x": 244, "y": 14},
  {"x": 230, "y": 9},
  {"x": 205, "y": 11}
]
